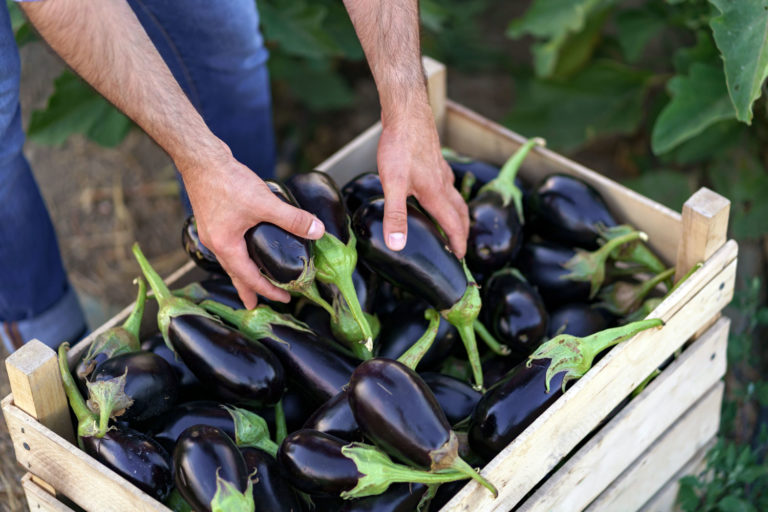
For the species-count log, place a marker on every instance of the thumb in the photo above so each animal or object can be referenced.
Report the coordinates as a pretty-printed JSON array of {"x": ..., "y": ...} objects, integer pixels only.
[
  {"x": 294, "y": 220},
  {"x": 395, "y": 216}
]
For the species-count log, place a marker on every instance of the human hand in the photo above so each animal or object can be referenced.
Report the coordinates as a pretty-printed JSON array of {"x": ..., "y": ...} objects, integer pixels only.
[
  {"x": 228, "y": 199},
  {"x": 410, "y": 163}
]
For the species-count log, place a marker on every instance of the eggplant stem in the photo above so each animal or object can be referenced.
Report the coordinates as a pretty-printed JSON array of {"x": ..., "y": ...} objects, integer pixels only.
[
  {"x": 86, "y": 419},
  {"x": 467, "y": 334},
  {"x": 347, "y": 289},
  {"x": 487, "y": 337},
  {"x": 162, "y": 292},
  {"x": 133, "y": 322},
  {"x": 312, "y": 293},
  {"x": 504, "y": 183},
  {"x": 416, "y": 352},
  {"x": 281, "y": 429},
  {"x": 461, "y": 466}
]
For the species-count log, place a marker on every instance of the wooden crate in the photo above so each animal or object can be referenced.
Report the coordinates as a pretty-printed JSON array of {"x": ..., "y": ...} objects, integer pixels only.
[{"x": 632, "y": 462}]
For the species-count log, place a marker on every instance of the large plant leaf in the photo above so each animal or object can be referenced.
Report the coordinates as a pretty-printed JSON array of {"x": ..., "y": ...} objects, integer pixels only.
[
  {"x": 668, "y": 187},
  {"x": 699, "y": 100},
  {"x": 604, "y": 98},
  {"x": 636, "y": 27},
  {"x": 76, "y": 108},
  {"x": 297, "y": 27},
  {"x": 744, "y": 180},
  {"x": 703, "y": 51},
  {"x": 711, "y": 143},
  {"x": 741, "y": 34}
]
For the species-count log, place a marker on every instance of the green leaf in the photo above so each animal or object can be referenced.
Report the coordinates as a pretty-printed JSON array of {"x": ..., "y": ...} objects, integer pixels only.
[
  {"x": 698, "y": 101},
  {"x": 578, "y": 47},
  {"x": 19, "y": 24},
  {"x": 742, "y": 178},
  {"x": 76, "y": 108},
  {"x": 604, "y": 98},
  {"x": 741, "y": 34},
  {"x": 297, "y": 27},
  {"x": 734, "y": 504},
  {"x": 703, "y": 51},
  {"x": 670, "y": 188},
  {"x": 713, "y": 142},
  {"x": 636, "y": 27},
  {"x": 686, "y": 496},
  {"x": 313, "y": 82}
]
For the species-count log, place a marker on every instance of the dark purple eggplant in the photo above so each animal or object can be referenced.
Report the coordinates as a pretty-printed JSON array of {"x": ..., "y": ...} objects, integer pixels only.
[
  {"x": 361, "y": 189},
  {"x": 496, "y": 217},
  {"x": 444, "y": 494},
  {"x": 323, "y": 465},
  {"x": 469, "y": 175},
  {"x": 514, "y": 311},
  {"x": 457, "y": 399},
  {"x": 200, "y": 254},
  {"x": 543, "y": 265},
  {"x": 425, "y": 268},
  {"x": 396, "y": 410},
  {"x": 509, "y": 406},
  {"x": 149, "y": 381},
  {"x": 296, "y": 409},
  {"x": 317, "y": 193},
  {"x": 218, "y": 289},
  {"x": 405, "y": 326},
  {"x": 570, "y": 212},
  {"x": 403, "y": 497},
  {"x": 496, "y": 367},
  {"x": 205, "y": 460},
  {"x": 271, "y": 492},
  {"x": 335, "y": 417},
  {"x": 167, "y": 429},
  {"x": 219, "y": 356},
  {"x": 189, "y": 386},
  {"x": 314, "y": 364},
  {"x": 578, "y": 319},
  {"x": 131, "y": 454}
]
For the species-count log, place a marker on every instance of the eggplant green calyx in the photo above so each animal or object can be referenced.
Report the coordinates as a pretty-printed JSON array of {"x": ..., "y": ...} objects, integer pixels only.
[
  {"x": 118, "y": 340},
  {"x": 87, "y": 421},
  {"x": 590, "y": 266},
  {"x": 622, "y": 297},
  {"x": 504, "y": 183},
  {"x": 169, "y": 306},
  {"x": 229, "y": 499},
  {"x": 465, "y": 188},
  {"x": 251, "y": 430},
  {"x": 462, "y": 315},
  {"x": 379, "y": 472},
  {"x": 107, "y": 398},
  {"x": 636, "y": 252},
  {"x": 256, "y": 323},
  {"x": 176, "y": 502},
  {"x": 575, "y": 355},
  {"x": 193, "y": 292},
  {"x": 446, "y": 458},
  {"x": 416, "y": 352},
  {"x": 346, "y": 329},
  {"x": 490, "y": 341},
  {"x": 335, "y": 263}
]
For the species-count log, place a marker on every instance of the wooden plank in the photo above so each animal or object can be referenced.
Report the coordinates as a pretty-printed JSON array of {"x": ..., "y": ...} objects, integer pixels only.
[
  {"x": 705, "y": 226},
  {"x": 436, "y": 89},
  {"x": 33, "y": 372},
  {"x": 72, "y": 472},
  {"x": 592, "y": 469},
  {"x": 38, "y": 499},
  {"x": 475, "y": 136},
  {"x": 662, "y": 460},
  {"x": 665, "y": 499},
  {"x": 561, "y": 427}
]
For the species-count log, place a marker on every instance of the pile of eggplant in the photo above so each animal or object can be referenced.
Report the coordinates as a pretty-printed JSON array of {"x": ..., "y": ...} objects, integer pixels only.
[{"x": 369, "y": 391}]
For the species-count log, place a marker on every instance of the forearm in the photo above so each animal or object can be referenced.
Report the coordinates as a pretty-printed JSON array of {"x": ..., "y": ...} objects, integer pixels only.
[{"x": 105, "y": 44}]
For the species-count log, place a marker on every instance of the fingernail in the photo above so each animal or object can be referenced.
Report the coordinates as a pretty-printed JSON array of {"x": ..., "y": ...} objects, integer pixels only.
[
  {"x": 396, "y": 241},
  {"x": 316, "y": 229}
]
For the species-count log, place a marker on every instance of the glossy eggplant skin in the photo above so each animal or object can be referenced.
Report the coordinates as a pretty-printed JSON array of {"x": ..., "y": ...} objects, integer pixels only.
[
  {"x": 495, "y": 233},
  {"x": 510, "y": 405},
  {"x": 444, "y": 494},
  {"x": 425, "y": 267},
  {"x": 189, "y": 385},
  {"x": 542, "y": 264},
  {"x": 316, "y": 318},
  {"x": 457, "y": 399},
  {"x": 404, "y": 497},
  {"x": 279, "y": 254},
  {"x": 569, "y": 211},
  {"x": 224, "y": 359},
  {"x": 361, "y": 189},
  {"x": 578, "y": 319},
  {"x": 271, "y": 492},
  {"x": 317, "y": 193},
  {"x": 482, "y": 171},
  {"x": 222, "y": 290},
  {"x": 313, "y": 463},
  {"x": 149, "y": 380},
  {"x": 335, "y": 417},
  {"x": 136, "y": 457},
  {"x": 313, "y": 364},
  {"x": 167, "y": 429},
  {"x": 296, "y": 408},
  {"x": 514, "y": 312},
  {"x": 496, "y": 367},
  {"x": 405, "y": 325},
  {"x": 201, "y": 453},
  {"x": 396, "y": 410},
  {"x": 200, "y": 254}
]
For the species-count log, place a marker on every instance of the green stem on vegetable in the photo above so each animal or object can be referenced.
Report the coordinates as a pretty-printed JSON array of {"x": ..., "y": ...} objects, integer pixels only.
[{"x": 416, "y": 352}]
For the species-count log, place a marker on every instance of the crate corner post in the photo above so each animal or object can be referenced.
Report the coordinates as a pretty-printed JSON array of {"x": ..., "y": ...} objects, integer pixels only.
[{"x": 705, "y": 229}]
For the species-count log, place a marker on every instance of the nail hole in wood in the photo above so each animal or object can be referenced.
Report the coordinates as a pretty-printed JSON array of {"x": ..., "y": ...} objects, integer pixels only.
[
  {"x": 712, "y": 357},
  {"x": 722, "y": 285},
  {"x": 26, "y": 446}
]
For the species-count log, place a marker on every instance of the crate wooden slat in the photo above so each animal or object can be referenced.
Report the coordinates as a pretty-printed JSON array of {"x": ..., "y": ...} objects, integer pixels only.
[{"x": 40, "y": 500}]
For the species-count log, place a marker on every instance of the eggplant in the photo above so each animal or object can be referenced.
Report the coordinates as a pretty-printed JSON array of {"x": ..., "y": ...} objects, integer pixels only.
[
  {"x": 167, "y": 429},
  {"x": 320, "y": 464},
  {"x": 496, "y": 217},
  {"x": 360, "y": 189},
  {"x": 425, "y": 268},
  {"x": 403, "y": 327},
  {"x": 569, "y": 211},
  {"x": 469, "y": 175},
  {"x": 219, "y": 289},
  {"x": 578, "y": 319},
  {"x": 543, "y": 265},
  {"x": 149, "y": 381},
  {"x": 496, "y": 367},
  {"x": 514, "y": 311},
  {"x": 200, "y": 254},
  {"x": 444, "y": 494},
  {"x": 403, "y": 497},
  {"x": 219, "y": 356},
  {"x": 314, "y": 364},
  {"x": 316, "y": 318},
  {"x": 396, "y": 410},
  {"x": 189, "y": 386},
  {"x": 623, "y": 297},
  {"x": 457, "y": 399},
  {"x": 509, "y": 406},
  {"x": 296, "y": 409},
  {"x": 129, "y": 453},
  {"x": 335, "y": 417},
  {"x": 317, "y": 193},
  {"x": 210, "y": 472},
  {"x": 271, "y": 492}
]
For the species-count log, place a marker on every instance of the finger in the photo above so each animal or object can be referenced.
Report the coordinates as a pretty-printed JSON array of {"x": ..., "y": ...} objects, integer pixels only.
[
  {"x": 395, "y": 213},
  {"x": 448, "y": 217},
  {"x": 294, "y": 220},
  {"x": 244, "y": 271}
]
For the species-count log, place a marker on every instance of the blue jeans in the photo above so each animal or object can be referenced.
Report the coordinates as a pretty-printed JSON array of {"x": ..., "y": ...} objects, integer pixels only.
[{"x": 216, "y": 53}]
